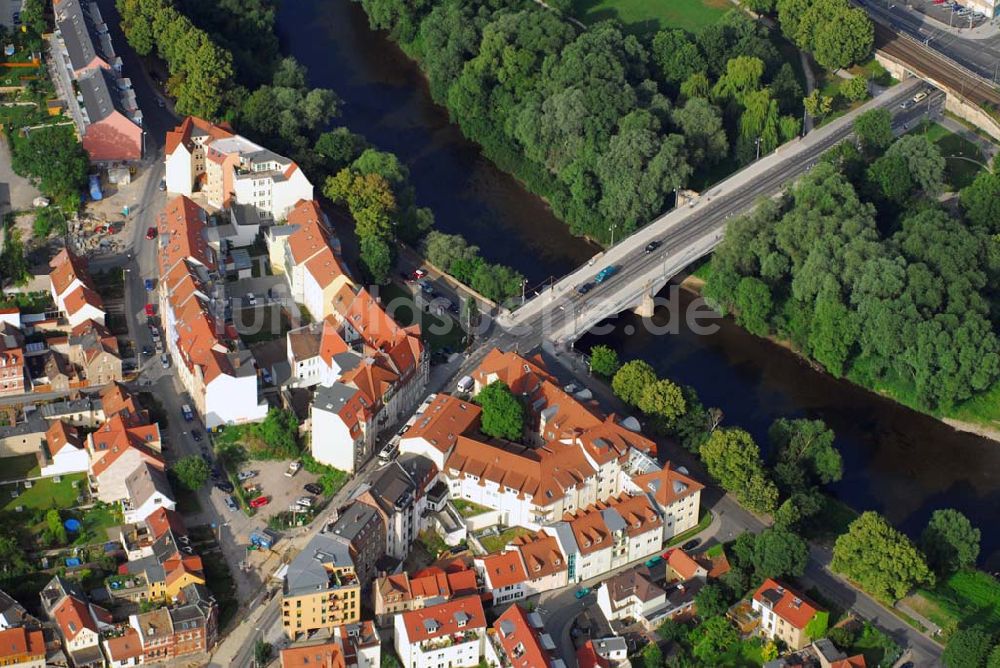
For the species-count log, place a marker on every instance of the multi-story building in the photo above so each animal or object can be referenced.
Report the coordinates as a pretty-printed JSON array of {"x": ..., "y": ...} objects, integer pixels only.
[
  {"x": 116, "y": 449},
  {"x": 93, "y": 350},
  {"x": 784, "y": 613},
  {"x": 148, "y": 490},
  {"x": 677, "y": 497},
  {"x": 352, "y": 646},
  {"x": 361, "y": 528},
  {"x": 321, "y": 588},
  {"x": 22, "y": 648},
  {"x": 230, "y": 169},
  {"x": 301, "y": 250},
  {"x": 123, "y": 649},
  {"x": 189, "y": 627},
  {"x": 215, "y": 368},
  {"x": 544, "y": 562},
  {"x": 72, "y": 289},
  {"x": 518, "y": 640},
  {"x": 399, "y": 494},
  {"x": 633, "y": 594},
  {"x": 66, "y": 450},
  {"x": 13, "y": 614},
  {"x": 401, "y": 593},
  {"x": 449, "y": 634},
  {"x": 503, "y": 576},
  {"x": 436, "y": 426},
  {"x": 12, "y": 364},
  {"x": 79, "y": 622}
]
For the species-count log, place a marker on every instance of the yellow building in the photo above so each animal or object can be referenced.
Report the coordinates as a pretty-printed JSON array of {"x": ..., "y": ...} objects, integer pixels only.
[{"x": 321, "y": 588}]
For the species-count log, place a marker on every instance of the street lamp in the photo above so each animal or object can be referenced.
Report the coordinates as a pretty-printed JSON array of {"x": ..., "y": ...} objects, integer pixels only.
[{"x": 757, "y": 141}]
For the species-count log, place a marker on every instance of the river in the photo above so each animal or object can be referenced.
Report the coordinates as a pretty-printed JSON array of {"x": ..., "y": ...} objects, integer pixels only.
[{"x": 897, "y": 461}]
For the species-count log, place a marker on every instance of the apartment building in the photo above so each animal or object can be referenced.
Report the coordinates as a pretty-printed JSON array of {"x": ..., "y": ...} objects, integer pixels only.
[
  {"x": 434, "y": 430},
  {"x": 399, "y": 494},
  {"x": 634, "y": 594},
  {"x": 123, "y": 649},
  {"x": 65, "y": 449},
  {"x": 302, "y": 251},
  {"x": 503, "y": 576},
  {"x": 353, "y": 646},
  {"x": 229, "y": 170},
  {"x": 93, "y": 351},
  {"x": 401, "y": 592},
  {"x": 116, "y": 449},
  {"x": 448, "y": 634},
  {"x": 148, "y": 490},
  {"x": 78, "y": 621},
  {"x": 361, "y": 528},
  {"x": 12, "y": 363},
  {"x": 22, "y": 648},
  {"x": 213, "y": 365},
  {"x": 186, "y": 628},
  {"x": 544, "y": 563},
  {"x": 518, "y": 640},
  {"x": 72, "y": 289},
  {"x": 677, "y": 497},
  {"x": 321, "y": 589},
  {"x": 784, "y": 613}
]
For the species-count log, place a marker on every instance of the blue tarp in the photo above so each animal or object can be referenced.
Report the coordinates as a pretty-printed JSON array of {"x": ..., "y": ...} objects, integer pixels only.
[
  {"x": 72, "y": 525},
  {"x": 72, "y": 561},
  {"x": 95, "y": 188}
]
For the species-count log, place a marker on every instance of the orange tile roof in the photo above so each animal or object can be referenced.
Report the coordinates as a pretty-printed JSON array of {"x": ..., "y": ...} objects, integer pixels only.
[
  {"x": 116, "y": 437},
  {"x": 182, "y": 235},
  {"x": 198, "y": 343},
  {"x": 324, "y": 267},
  {"x": 520, "y": 374},
  {"x": 380, "y": 332},
  {"x": 182, "y": 133},
  {"x": 116, "y": 399},
  {"x": 683, "y": 564},
  {"x": 372, "y": 378},
  {"x": 73, "y": 615},
  {"x": 520, "y": 640},
  {"x": 444, "y": 420},
  {"x": 126, "y": 646},
  {"x": 589, "y": 530},
  {"x": 462, "y": 583},
  {"x": 311, "y": 236},
  {"x": 587, "y": 657},
  {"x": 637, "y": 511},
  {"x": 331, "y": 343},
  {"x": 61, "y": 434},
  {"x": 857, "y": 661},
  {"x": 67, "y": 267},
  {"x": 504, "y": 569},
  {"x": 326, "y": 655},
  {"x": 443, "y": 619},
  {"x": 80, "y": 297},
  {"x": 541, "y": 554},
  {"x": 161, "y": 520},
  {"x": 430, "y": 585},
  {"x": 667, "y": 485},
  {"x": 19, "y": 642},
  {"x": 545, "y": 473},
  {"x": 787, "y": 604}
]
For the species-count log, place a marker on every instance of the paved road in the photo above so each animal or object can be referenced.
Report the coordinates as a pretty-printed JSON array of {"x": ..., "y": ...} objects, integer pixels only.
[{"x": 561, "y": 314}]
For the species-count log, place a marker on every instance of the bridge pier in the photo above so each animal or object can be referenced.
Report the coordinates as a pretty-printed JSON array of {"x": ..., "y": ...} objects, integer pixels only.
[{"x": 646, "y": 306}]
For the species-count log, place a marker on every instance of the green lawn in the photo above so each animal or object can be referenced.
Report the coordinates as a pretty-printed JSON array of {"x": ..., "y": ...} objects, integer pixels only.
[
  {"x": 45, "y": 494},
  {"x": 984, "y": 408},
  {"x": 18, "y": 467},
  {"x": 706, "y": 519},
  {"x": 958, "y": 153},
  {"x": 644, "y": 16},
  {"x": 468, "y": 508},
  {"x": 96, "y": 522},
  {"x": 497, "y": 543},
  {"x": 432, "y": 542},
  {"x": 965, "y": 599}
]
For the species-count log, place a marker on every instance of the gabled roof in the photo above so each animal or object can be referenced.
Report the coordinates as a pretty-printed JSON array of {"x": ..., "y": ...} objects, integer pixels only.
[
  {"x": 633, "y": 582},
  {"x": 311, "y": 236},
  {"x": 372, "y": 378},
  {"x": 62, "y": 434},
  {"x": 116, "y": 437},
  {"x": 683, "y": 564},
  {"x": 541, "y": 554},
  {"x": 102, "y": 95},
  {"x": 331, "y": 343},
  {"x": 80, "y": 297},
  {"x": 182, "y": 235},
  {"x": 162, "y": 520},
  {"x": 73, "y": 615},
  {"x": 191, "y": 127},
  {"x": 67, "y": 266},
  {"x": 304, "y": 342},
  {"x": 786, "y": 604},
  {"x": 587, "y": 657},
  {"x": 667, "y": 485},
  {"x": 324, "y": 655},
  {"x": 84, "y": 32},
  {"x": 857, "y": 661},
  {"x": 124, "y": 647},
  {"x": 117, "y": 400},
  {"x": 504, "y": 569},
  {"x": 380, "y": 332},
  {"x": 520, "y": 640},
  {"x": 443, "y": 421},
  {"x": 18, "y": 642},
  {"x": 144, "y": 482},
  {"x": 445, "y": 619}
]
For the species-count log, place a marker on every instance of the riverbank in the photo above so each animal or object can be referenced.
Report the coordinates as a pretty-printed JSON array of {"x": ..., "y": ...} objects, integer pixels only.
[{"x": 695, "y": 284}]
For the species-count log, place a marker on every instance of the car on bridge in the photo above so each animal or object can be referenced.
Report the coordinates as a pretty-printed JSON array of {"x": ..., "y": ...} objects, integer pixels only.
[
  {"x": 606, "y": 273},
  {"x": 653, "y": 245},
  {"x": 585, "y": 288}
]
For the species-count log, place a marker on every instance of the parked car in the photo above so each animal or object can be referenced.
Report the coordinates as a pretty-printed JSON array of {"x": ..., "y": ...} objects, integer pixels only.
[
  {"x": 165, "y": 360},
  {"x": 187, "y": 412},
  {"x": 146, "y": 351},
  {"x": 584, "y": 288},
  {"x": 251, "y": 299},
  {"x": 426, "y": 287},
  {"x": 419, "y": 273},
  {"x": 266, "y": 376},
  {"x": 150, "y": 310},
  {"x": 312, "y": 488},
  {"x": 691, "y": 544},
  {"x": 919, "y": 97},
  {"x": 151, "y": 233},
  {"x": 580, "y": 593},
  {"x": 260, "y": 502},
  {"x": 149, "y": 284},
  {"x": 653, "y": 561},
  {"x": 653, "y": 245},
  {"x": 196, "y": 435},
  {"x": 225, "y": 486},
  {"x": 163, "y": 185},
  {"x": 305, "y": 501},
  {"x": 292, "y": 469},
  {"x": 231, "y": 503},
  {"x": 465, "y": 384},
  {"x": 245, "y": 475}
]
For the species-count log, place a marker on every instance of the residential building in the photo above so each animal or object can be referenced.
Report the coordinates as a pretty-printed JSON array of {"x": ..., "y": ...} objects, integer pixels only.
[
  {"x": 73, "y": 291},
  {"x": 123, "y": 649},
  {"x": 112, "y": 120},
  {"x": 230, "y": 169},
  {"x": 448, "y": 634},
  {"x": 434, "y": 430},
  {"x": 22, "y": 648},
  {"x": 784, "y": 613},
  {"x": 93, "y": 350},
  {"x": 84, "y": 37},
  {"x": 399, "y": 493},
  {"x": 544, "y": 562},
  {"x": 602, "y": 653},
  {"x": 65, "y": 449},
  {"x": 162, "y": 563},
  {"x": 503, "y": 576},
  {"x": 79, "y": 622},
  {"x": 321, "y": 588},
  {"x": 51, "y": 371},
  {"x": 319, "y": 655},
  {"x": 677, "y": 497},
  {"x": 633, "y": 594},
  {"x": 361, "y": 528},
  {"x": 831, "y": 657},
  {"x": 428, "y": 587},
  {"x": 214, "y": 367},
  {"x": 116, "y": 449},
  {"x": 353, "y": 646},
  {"x": 148, "y": 490},
  {"x": 13, "y": 614},
  {"x": 301, "y": 250},
  {"x": 303, "y": 355},
  {"x": 519, "y": 640},
  {"x": 12, "y": 363},
  {"x": 190, "y": 627}
]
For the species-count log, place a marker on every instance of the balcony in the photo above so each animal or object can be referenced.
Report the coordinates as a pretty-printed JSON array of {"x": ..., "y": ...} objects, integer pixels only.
[{"x": 443, "y": 642}]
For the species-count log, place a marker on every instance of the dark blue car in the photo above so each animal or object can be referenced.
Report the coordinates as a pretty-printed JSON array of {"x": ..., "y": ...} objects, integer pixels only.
[{"x": 149, "y": 284}]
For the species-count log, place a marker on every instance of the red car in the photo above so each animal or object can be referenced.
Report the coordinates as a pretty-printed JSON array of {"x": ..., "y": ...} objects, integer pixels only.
[
  {"x": 151, "y": 233},
  {"x": 260, "y": 502},
  {"x": 150, "y": 312},
  {"x": 419, "y": 273}
]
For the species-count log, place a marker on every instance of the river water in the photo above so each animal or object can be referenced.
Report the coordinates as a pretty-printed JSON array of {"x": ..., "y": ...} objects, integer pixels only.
[{"x": 896, "y": 461}]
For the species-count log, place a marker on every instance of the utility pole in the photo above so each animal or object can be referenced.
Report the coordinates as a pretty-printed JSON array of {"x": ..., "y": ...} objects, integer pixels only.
[{"x": 758, "y": 149}]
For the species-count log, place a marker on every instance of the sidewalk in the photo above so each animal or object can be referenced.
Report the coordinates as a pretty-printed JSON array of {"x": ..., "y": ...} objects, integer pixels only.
[
  {"x": 915, "y": 8},
  {"x": 988, "y": 148}
]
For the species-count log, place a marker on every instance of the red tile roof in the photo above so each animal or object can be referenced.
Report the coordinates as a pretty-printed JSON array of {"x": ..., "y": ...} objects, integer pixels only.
[
  {"x": 541, "y": 554},
  {"x": 126, "y": 646},
  {"x": 161, "y": 519},
  {"x": 80, "y": 297},
  {"x": 587, "y": 657},
  {"x": 520, "y": 640},
  {"x": 311, "y": 236},
  {"x": 667, "y": 485},
  {"x": 67, "y": 267},
  {"x": 683, "y": 564},
  {"x": 182, "y": 235},
  {"x": 326, "y": 655},
  {"x": 443, "y": 421},
  {"x": 61, "y": 434},
  {"x": 444, "y": 619},
  {"x": 182, "y": 133},
  {"x": 19, "y": 642},
  {"x": 331, "y": 343},
  {"x": 857, "y": 661},
  {"x": 504, "y": 569},
  {"x": 787, "y": 604},
  {"x": 73, "y": 615}
]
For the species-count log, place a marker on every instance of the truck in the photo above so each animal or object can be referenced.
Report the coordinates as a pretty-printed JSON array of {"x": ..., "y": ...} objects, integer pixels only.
[{"x": 187, "y": 413}]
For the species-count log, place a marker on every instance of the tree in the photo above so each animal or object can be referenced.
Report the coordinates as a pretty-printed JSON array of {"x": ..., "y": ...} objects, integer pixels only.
[
  {"x": 262, "y": 652},
  {"x": 651, "y": 656},
  {"x": 54, "y": 527},
  {"x": 817, "y": 105},
  {"x": 340, "y": 147},
  {"x": 503, "y": 414},
  {"x": 874, "y": 130},
  {"x": 604, "y": 361},
  {"x": 696, "y": 85},
  {"x": 733, "y": 458},
  {"x": 631, "y": 380},
  {"x": 967, "y": 648},
  {"x": 759, "y": 6},
  {"x": 891, "y": 175},
  {"x": 981, "y": 202},
  {"x": 817, "y": 626},
  {"x": 53, "y": 159},
  {"x": 753, "y": 306},
  {"x": 704, "y": 134},
  {"x": 879, "y": 558},
  {"x": 923, "y": 159},
  {"x": 279, "y": 434},
  {"x": 13, "y": 258},
  {"x": 855, "y": 89},
  {"x": 192, "y": 472},
  {"x": 33, "y": 16},
  {"x": 713, "y": 638},
  {"x": 743, "y": 75},
  {"x": 663, "y": 401},
  {"x": 779, "y": 553},
  {"x": 377, "y": 257},
  {"x": 711, "y": 600},
  {"x": 13, "y": 561},
  {"x": 993, "y": 661},
  {"x": 444, "y": 250},
  {"x": 806, "y": 445},
  {"x": 950, "y": 541},
  {"x": 676, "y": 56},
  {"x": 844, "y": 40}
]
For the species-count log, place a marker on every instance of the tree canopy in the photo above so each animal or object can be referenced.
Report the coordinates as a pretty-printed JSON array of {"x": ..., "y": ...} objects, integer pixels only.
[
  {"x": 950, "y": 541},
  {"x": 503, "y": 413},
  {"x": 880, "y": 559},
  {"x": 631, "y": 381},
  {"x": 733, "y": 458},
  {"x": 53, "y": 159},
  {"x": 192, "y": 472},
  {"x": 604, "y": 361}
]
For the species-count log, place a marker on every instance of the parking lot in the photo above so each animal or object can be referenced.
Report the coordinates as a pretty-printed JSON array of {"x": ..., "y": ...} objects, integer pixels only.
[{"x": 956, "y": 14}]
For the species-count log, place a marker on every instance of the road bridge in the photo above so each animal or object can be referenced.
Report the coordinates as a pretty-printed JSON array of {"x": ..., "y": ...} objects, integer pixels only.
[{"x": 561, "y": 313}]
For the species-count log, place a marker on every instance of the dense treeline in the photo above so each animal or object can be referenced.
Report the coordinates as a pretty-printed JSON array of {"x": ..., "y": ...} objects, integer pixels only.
[
  {"x": 863, "y": 271},
  {"x": 603, "y": 124}
]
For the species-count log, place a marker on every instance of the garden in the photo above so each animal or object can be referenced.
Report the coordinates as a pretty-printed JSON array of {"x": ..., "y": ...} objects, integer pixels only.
[
  {"x": 965, "y": 599},
  {"x": 640, "y": 16}
]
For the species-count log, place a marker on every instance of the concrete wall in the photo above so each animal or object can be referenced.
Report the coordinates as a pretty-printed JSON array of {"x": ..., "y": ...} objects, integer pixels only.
[{"x": 22, "y": 444}]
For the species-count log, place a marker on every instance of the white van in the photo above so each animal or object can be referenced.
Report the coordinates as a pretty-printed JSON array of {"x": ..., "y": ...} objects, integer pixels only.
[{"x": 465, "y": 384}]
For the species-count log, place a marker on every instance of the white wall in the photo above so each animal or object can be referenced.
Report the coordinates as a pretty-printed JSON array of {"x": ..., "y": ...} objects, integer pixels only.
[
  {"x": 180, "y": 171},
  {"x": 153, "y": 503},
  {"x": 68, "y": 460},
  {"x": 286, "y": 193},
  {"x": 312, "y": 295},
  {"x": 681, "y": 515},
  {"x": 423, "y": 447},
  {"x": 332, "y": 443},
  {"x": 232, "y": 400}
]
